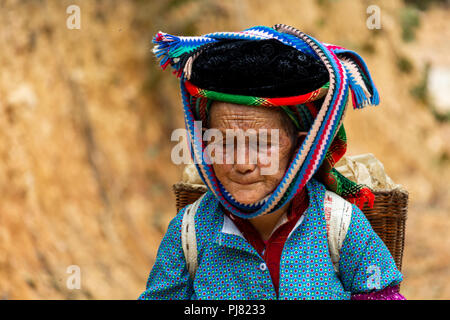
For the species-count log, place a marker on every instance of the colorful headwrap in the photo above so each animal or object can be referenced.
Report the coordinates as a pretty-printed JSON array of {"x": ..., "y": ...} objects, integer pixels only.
[{"x": 320, "y": 112}]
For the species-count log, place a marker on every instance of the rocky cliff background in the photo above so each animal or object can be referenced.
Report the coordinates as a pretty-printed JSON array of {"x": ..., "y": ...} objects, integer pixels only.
[{"x": 86, "y": 117}]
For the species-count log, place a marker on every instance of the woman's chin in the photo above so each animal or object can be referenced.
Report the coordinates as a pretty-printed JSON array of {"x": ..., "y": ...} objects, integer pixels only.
[
  {"x": 246, "y": 197},
  {"x": 247, "y": 193}
]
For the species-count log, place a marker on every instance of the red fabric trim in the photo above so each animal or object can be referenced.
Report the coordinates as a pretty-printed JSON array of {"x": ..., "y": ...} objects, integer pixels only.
[
  {"x": 274, "y": 101},
  {"x": 271, "y": 249},
  {"x": 364, "y": 195}
]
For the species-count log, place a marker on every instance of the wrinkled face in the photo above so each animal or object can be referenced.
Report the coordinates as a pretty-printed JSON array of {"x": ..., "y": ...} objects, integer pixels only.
[{"x": 248, "y": 181}]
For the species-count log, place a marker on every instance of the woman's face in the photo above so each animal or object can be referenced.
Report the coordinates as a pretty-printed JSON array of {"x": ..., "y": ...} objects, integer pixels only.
[{"x": 248, "y": 181}]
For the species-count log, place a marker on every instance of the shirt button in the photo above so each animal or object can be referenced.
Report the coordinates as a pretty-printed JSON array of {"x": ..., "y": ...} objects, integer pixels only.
[{"x": 263, "y": 267}]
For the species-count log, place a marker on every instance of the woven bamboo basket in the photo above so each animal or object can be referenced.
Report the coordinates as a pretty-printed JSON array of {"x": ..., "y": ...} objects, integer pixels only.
[{"x": 387, "y": 217}]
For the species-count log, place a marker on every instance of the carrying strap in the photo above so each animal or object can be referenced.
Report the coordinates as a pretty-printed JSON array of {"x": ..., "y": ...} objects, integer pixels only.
[
  {"x": 338, "y": 214},
  {"x": 188, "y": 237}
]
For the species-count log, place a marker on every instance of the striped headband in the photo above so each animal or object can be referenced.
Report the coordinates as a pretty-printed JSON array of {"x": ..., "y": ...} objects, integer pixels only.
[{"x": 349, "y": 78}]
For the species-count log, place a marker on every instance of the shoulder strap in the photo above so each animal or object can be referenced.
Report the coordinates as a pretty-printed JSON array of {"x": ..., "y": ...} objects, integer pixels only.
[
  {"x": 188, "y": 237},
  {"x": 338, "y": 214}
]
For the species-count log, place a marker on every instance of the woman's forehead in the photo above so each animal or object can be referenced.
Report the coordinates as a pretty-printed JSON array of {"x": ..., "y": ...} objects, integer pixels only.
[{"x": 228, "y": 115}]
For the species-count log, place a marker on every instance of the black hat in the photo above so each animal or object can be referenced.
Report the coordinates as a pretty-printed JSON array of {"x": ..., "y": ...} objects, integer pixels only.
[{"x": 262, "y": 68}]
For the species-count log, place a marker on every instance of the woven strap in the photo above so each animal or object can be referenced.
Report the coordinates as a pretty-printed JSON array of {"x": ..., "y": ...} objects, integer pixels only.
[
  {"x": 338, "y": 214},
  {"x": 188, "y": 237}
]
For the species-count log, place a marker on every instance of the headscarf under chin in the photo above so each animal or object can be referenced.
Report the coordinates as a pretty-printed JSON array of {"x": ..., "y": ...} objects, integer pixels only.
[{"x": 311, "y": 81}]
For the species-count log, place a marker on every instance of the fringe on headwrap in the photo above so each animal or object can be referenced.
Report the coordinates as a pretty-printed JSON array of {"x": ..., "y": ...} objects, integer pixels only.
[{"x": 174, "y": 51}]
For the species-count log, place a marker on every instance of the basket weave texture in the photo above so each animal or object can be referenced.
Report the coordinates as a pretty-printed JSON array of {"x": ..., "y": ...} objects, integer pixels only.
[{"x": 387, "y": 217}]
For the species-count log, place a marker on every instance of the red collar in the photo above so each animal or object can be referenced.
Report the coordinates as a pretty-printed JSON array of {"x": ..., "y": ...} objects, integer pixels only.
[{"x": 271, "y": 249}]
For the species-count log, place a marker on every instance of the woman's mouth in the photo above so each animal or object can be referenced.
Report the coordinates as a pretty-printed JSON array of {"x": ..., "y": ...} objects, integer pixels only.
[{"x": 244, "y": 182}]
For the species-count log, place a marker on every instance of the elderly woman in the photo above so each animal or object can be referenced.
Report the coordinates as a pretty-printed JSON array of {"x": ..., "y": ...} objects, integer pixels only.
[{"x": 298, "y": 232}]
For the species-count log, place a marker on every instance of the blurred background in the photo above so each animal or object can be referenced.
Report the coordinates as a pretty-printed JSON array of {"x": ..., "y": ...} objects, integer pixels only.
[{"x": 86, "y": 117}]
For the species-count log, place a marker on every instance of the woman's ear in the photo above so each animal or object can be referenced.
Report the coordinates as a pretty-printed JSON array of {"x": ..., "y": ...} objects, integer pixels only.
[{"x": 301, "y": 135}]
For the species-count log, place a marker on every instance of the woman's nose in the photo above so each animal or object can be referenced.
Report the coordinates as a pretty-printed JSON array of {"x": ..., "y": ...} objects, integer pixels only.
[
  {"x": 245, "y": 159},
  {"x": 245, "y": 168}
]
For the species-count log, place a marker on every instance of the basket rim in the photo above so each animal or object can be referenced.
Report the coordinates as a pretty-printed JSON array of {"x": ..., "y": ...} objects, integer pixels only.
[
  {"x": 186, "y": 186},
  {"x": 196, "y": 187}
]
